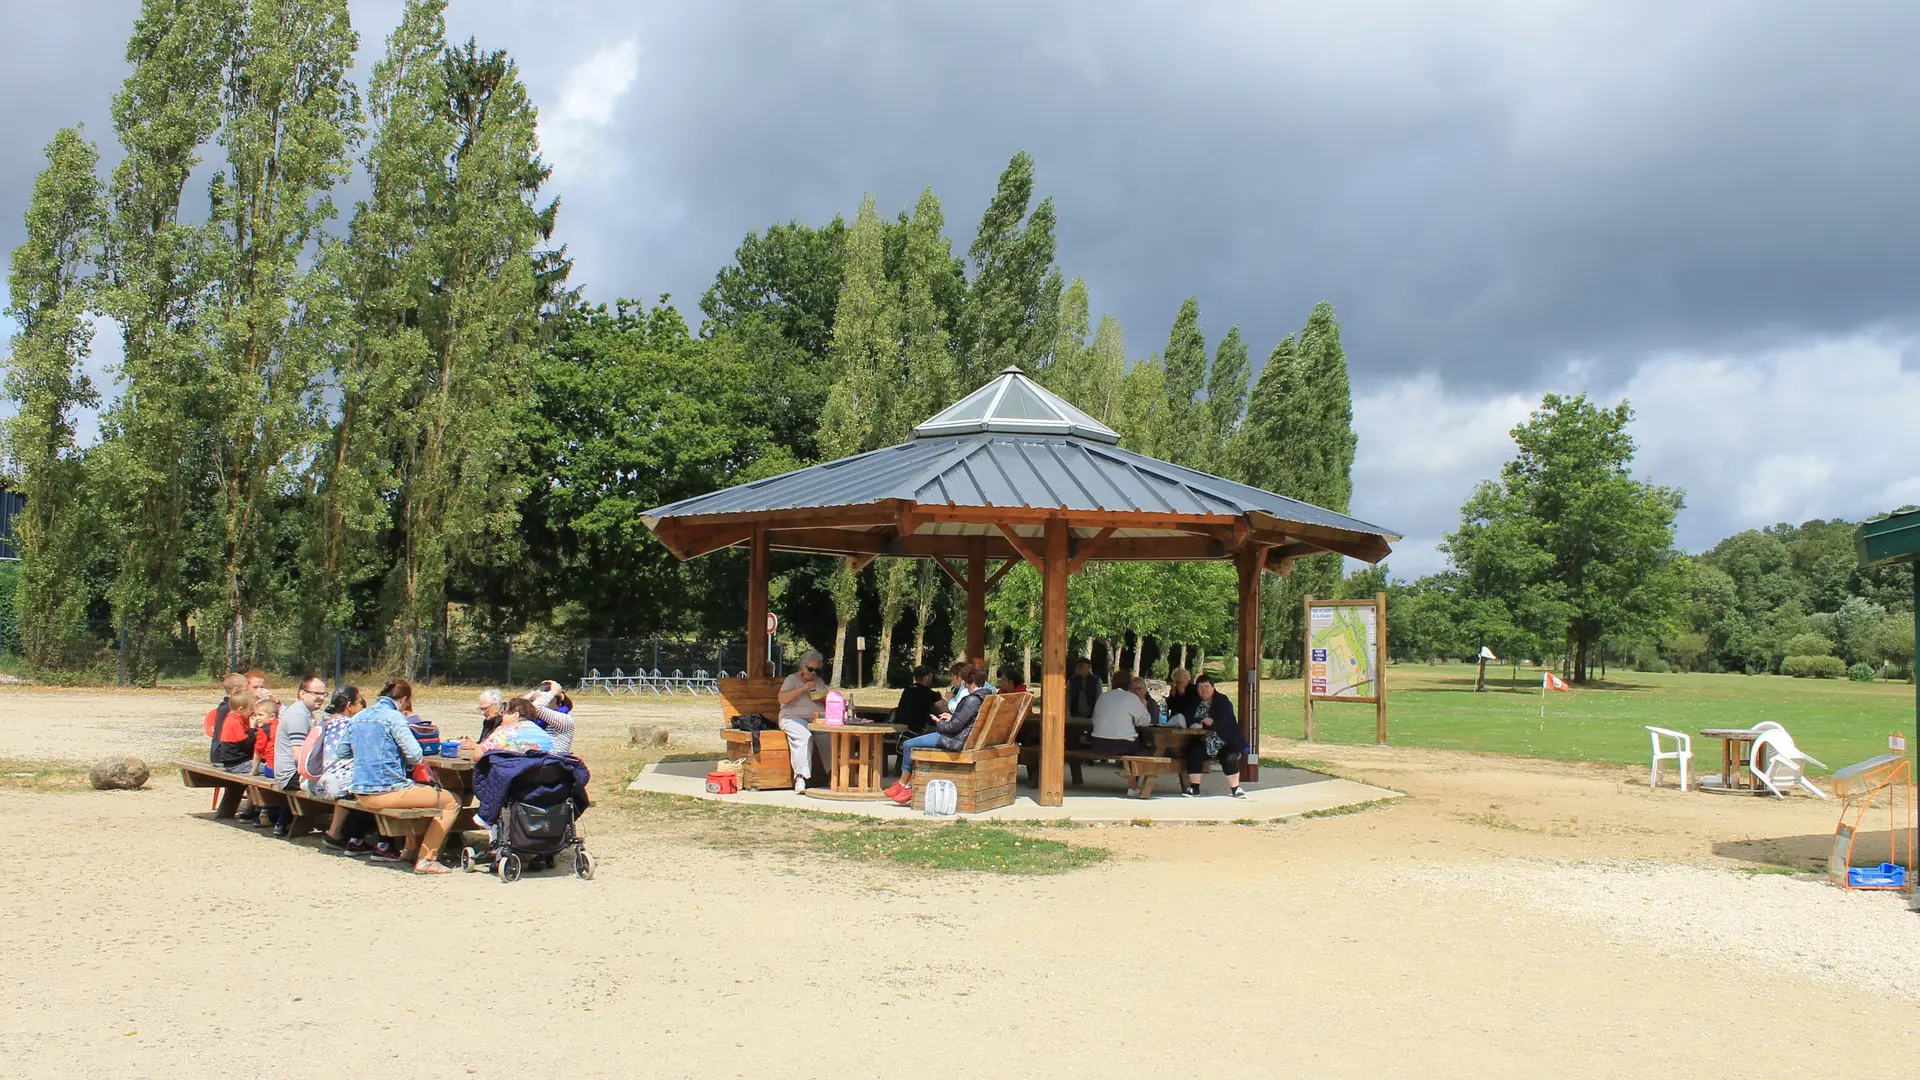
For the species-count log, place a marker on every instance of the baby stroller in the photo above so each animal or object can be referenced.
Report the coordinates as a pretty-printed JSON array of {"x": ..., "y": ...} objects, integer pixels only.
[{"x": 544, "y": 795}]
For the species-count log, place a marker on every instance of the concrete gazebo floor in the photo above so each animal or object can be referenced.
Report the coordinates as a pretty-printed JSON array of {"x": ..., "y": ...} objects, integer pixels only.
[{"x": 1279, "y": 793}]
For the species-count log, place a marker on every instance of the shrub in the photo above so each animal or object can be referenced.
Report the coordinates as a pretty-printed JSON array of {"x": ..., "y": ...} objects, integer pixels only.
[
  {"x": 1813, "y": 667},
  {"x": 1652, "y": 664},
  {"x": 1860, "y": 673},
  {"x": 1809, "y": 645}
]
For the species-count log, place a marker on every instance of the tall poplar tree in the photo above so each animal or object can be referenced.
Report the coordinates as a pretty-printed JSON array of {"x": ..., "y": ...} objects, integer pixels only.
[
  {"x": 1066, "y": 371},
  {"x": 1226, "y": 401},
  {"x": 153, "y": 462},
  {"x": 1106, "y": 363},
  {"x": 1013, "y": 301},
  {"x": 49, "y": 291},
  {"x": 866, "y": 345},
  {"x": 1185, "y": 364},
  {"x": 290, "y": 118},
  {"x": 926, "y": 386}
]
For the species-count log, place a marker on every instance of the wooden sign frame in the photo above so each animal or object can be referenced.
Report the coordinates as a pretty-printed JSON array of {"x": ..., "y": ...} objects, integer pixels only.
[{"x": 1379, "y": 700}]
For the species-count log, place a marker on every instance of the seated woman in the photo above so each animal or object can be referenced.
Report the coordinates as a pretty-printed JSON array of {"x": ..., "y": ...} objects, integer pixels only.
[
  {"x": 919, "y": 703},
  {"x": 1222, "y": 740},
  {"x": 1181, "y": 695},
  {"x": 1139, "y": 687},
  {"x": 554, "y": 709},
  {"x": 519, "y": 730},
  {"x": 949, "y": 732},
  {"x": 797, "y": 710},
  {"x": 384, "y": 751},
  {"x": 335, "y": 779}
]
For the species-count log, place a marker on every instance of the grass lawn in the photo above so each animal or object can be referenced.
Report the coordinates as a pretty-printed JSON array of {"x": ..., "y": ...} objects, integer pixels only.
[{"x": 1837, "y": 721}]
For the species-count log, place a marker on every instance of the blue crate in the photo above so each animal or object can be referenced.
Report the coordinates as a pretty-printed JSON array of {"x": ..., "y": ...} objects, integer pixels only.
[{"x": 1885, "y": 876}]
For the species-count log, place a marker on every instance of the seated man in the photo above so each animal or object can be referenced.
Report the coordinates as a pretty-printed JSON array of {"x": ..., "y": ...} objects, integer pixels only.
[
  {"x": 1083, "y": 689},
  {"x": 919, "y": 703},
  {"x": 1118, "y": 716}
]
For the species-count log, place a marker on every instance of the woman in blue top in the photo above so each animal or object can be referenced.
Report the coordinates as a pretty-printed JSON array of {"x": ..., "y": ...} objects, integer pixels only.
[
  {"x": 384, "y": 752},
  {"x": 1220, "y": 739}
]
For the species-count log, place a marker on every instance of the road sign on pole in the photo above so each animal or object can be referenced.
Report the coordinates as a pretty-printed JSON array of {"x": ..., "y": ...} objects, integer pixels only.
[{"x": 773, "y": 622}]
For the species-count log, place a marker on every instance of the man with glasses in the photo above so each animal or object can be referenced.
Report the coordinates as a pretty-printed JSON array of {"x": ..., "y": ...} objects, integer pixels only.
[{"x": 296, "y": 720}]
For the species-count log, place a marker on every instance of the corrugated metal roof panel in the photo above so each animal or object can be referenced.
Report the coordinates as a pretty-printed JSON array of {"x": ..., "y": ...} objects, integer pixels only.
[{"x": 1006, "y": 470}]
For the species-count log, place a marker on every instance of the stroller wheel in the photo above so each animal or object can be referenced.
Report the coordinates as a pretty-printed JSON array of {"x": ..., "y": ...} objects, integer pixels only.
[
  {"x": 510, "y": 867},
  {"x": 583, "y": 864},
  {"x": 466, "y": 859}
]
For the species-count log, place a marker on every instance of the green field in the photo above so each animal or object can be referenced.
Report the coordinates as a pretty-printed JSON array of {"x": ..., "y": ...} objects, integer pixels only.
[{"x": 1434, "y": 706}]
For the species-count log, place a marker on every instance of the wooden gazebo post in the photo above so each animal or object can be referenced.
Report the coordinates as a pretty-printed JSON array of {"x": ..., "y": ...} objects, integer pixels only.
[
  {"x": 757, "y": 603},
  {"x": 977, "y": 599},
  {"x": 1053, "y": 667},
  {"x": 1251, "y": 563}
]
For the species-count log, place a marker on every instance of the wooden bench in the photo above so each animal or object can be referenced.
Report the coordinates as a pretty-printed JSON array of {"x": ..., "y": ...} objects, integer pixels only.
[
  {"x": 1075, "y": 759},
  {"x": 309, "y": 811},
  {"x": 772, "y": 767},
  {"x": 1146, "y": 770},
  {"x": 985, "y": 771}
]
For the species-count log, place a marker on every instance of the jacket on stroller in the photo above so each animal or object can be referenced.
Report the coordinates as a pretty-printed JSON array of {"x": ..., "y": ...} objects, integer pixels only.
[{"x": 499, "y": 776}]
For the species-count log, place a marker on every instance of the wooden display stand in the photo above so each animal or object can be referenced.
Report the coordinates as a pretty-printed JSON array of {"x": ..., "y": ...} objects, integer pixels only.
[{"x": 1307, "y": 670}]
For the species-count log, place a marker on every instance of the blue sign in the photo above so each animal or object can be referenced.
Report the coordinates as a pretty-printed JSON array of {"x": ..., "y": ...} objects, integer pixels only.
[{"x": 1320, "y": 656}]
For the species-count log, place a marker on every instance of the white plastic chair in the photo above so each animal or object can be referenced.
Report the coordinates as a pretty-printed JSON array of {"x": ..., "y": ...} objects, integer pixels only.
[
  {"x": 1785, "y": 763},
  {"x": 1681, "y": 754}
]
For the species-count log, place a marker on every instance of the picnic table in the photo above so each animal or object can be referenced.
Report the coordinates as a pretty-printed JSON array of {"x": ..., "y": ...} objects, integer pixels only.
[
  {"x": 856, "y": 761},
  {"x": 1736, "y": 750}
]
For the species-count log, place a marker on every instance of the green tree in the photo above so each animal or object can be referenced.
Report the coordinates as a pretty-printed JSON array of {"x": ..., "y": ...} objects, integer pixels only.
[
  {"x": 1226, "y": 402},
  {"x": 289, "y": 120},
  {"x": 1014, "y": 299},
  {"x": 1143, "y": 408},
  {"x": 866, "y": 346},
  {"x": 152, "y": 466},
  {"x": 50, "y": 288},
  {"x": 1185, "y": 363},
  {"x": 1066, "y": 373},
  {"x": 1576, "y": 529},
  {"x": 1106, "y": 364}
]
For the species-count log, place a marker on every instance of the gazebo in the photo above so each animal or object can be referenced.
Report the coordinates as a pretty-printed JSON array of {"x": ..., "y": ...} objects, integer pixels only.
[{"x": 1014, "y": 472}]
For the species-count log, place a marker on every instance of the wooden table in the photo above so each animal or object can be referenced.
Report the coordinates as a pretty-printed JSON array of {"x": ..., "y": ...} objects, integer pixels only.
[
  {"x": 454, "y": 773},
  {"x": 1169, "y": 741},
  {"x": 1736, "y": 750},
  {"x": 857, "y": 760}
]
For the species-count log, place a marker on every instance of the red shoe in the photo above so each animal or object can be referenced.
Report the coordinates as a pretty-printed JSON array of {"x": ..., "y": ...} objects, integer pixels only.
[{"x": 901, "y": 794}]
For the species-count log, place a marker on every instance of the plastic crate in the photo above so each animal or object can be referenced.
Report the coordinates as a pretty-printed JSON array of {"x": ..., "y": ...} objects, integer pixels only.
[{"x": 1885, "y": 876}]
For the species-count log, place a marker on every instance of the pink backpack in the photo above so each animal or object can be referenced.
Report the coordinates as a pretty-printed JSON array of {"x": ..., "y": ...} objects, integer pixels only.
[{"x": 836, "y": 708}]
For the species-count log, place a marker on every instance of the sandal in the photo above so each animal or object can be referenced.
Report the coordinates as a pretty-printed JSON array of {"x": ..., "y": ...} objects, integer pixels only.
[{"x": 425, "y": 866}]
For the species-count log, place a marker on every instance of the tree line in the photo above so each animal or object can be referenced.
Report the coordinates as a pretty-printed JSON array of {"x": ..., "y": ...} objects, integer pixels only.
[
  {"x": 404, "y": 418},
  {"x": 1569, "y": 560}
]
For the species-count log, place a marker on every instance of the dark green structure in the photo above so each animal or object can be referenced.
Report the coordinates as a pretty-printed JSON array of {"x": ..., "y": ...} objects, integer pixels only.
[{"x": 1896, "y": 539}]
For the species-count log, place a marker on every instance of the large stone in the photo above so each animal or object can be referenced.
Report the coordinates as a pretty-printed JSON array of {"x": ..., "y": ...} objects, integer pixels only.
[
  {"x": 647, "y": 734},
  {"x": 118, "y": 774}
]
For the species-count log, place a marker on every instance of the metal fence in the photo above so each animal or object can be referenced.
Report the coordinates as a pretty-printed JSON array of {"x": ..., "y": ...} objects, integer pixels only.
[{"x": 106, "y": 653}]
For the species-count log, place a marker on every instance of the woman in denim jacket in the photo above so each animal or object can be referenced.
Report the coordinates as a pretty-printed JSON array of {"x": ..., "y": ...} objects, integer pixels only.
[{"x": 384, "y": 752}]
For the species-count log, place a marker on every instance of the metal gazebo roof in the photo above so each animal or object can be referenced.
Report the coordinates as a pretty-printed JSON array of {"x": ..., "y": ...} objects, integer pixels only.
[{"x": 996, "y": 464}]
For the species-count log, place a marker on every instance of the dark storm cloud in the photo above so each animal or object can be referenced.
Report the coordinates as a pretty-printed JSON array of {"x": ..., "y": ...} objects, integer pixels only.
[{"x": 1480, "y": 192}]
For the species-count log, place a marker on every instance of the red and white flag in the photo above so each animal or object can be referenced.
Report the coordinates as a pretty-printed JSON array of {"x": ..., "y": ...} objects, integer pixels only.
[{"x": 1550, "y": 681}]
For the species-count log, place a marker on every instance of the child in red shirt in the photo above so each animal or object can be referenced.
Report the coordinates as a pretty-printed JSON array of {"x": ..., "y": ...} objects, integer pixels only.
[{"x": 266, "y": 724}]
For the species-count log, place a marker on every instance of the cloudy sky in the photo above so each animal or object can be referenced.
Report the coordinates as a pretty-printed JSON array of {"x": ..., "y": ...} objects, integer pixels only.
[{"x": 1708, "y": 208}]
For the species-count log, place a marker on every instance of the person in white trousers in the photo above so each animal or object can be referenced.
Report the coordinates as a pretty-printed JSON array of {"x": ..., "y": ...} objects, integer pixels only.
[{"x": 797, "y": 710}]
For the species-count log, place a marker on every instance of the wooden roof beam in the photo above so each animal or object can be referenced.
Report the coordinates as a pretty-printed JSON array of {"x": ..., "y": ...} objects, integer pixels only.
[
  {"x": 1023, "y": 545},
  {"x": 1085, "y": 549}
]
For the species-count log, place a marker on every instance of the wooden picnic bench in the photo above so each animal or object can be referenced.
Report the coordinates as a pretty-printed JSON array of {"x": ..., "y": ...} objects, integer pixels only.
[
  {"x": 769, "y": 768},
  {"x": 309, "y": 811},
  {"x": 985, "y": 771}
]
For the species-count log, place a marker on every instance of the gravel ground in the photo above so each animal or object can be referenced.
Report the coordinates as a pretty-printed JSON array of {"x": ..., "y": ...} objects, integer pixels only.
[{"x": 1772, "y": 922}]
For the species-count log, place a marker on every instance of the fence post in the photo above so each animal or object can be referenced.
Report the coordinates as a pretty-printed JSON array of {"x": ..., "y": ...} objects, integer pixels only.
[
  {"x": 339, "y": 648},
  {"x": 426, "y": 668},
  {"x": 509, "y": 659},
  {"x": 586, "y": 649},
  {"x": 120, "y": 679}
]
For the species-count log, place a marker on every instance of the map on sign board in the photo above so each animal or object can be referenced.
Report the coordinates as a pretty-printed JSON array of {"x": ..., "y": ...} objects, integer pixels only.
[{"x": 1342, "y": 648}]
